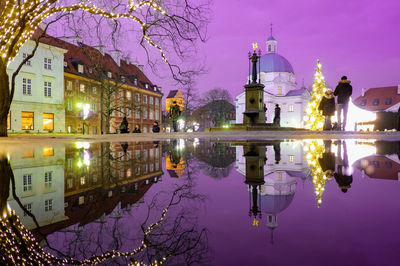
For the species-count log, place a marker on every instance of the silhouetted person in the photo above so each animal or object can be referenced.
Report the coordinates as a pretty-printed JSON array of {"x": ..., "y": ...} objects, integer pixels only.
[
  {"x": 342, "y": 176},
  {"x": 137, "y": 129},
  {"x": 156, "y": 127},
  {"x": 343, "y": 92},
  {"x": 124, "y": 146},
  {"x": 277, "y": 117},
  {"x": 174, "y": 114},
  {"x": 265, "y": 111},
  {"x": 277, "y": 150},
  {"x": 123, "y": 128},
  {"x": 327, "y": 106},
  {"x": 327, "y": 161}
]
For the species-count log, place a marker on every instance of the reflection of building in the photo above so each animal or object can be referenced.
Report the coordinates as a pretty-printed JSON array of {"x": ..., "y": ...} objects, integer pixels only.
[
  {"x": 380, "y": 167},
  {"x": 100, "y": 179},
  {"x": 278, "y": 77},
  {"x": 39, "y": 182},
  {"x": 174, "y": 96},
  {"x": 214, "y": 114},
  {"x": 38, "y": 103},
  {"x": 174, "y": 161}
]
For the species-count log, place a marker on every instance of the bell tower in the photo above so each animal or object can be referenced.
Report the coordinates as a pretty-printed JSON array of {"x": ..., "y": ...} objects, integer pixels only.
[{"x": 271, "y": 43}]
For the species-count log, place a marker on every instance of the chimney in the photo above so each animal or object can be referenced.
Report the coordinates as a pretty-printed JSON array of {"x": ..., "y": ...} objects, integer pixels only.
[
  {"x": 363, "y": 92},
  {"x": 141, "y": 67},
  {"x": 72, "y": 39},
  {"x": 398, "y": 89},
  {"x": 116, "y": 55},
  {"x": 100, "y": 48},
  {"x": 127, "y": 60}
]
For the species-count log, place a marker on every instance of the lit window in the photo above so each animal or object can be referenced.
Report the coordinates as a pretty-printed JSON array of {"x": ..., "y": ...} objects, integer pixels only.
[
  {"x": 70, "y": 182},
  {"x": 47, "y": 63},
  {"x": 80, "y": 68},
  {"x": 151, "y": 100},
  {"x": 9, "y": 121},
  {"x": 28, "y": 207},
  {"x": 109, "y": 74},
  {"x": 82, "y": 87},
  {"x": 291, "y": 108},
  {"x": 291, "y": 158},
  {"x": 146, "y": 86},
  {"x": 69, "y": 85},
  {"x": 26, "y": 86},
  {"x": 388, "y": 101},
  {"x": 135, "y": 82},
  {"x": 47, "y": 89},
  {"x": 81, "y": 200},
  {"x": 144, "y": 114},
  {"x": 137, "y": 115},
  {"x": 375, "y": 102},
  {"x": 27, "y": 121},
  {"x": 157, "y": 101},
  {"x": 157, "y": 117},
  {"x": 90, "y": 70},
  {"x": 24, "y": 56},
  {"x": 48, "y": 205},
  {"x": 48, "y": 151},
  {"x": 279, "y": 176},
  {"x": 48, "y": 121},
  {"x": 48, "y": 179},
  {"x": 145, "y": 99},
  {"x": 83, "y": 180},
  {"x": 279, "y": 90},
  {"x": 27, "y": 182},
  {"x": 151, "y": 115},
  {"x": 128, "y": 95}
]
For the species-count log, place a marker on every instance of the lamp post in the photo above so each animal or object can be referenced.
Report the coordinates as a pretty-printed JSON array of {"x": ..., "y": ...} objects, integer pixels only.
[{"x": 85, "y": 113}]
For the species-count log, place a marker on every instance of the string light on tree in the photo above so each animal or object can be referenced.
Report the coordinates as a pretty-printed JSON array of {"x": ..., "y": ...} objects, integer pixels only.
[{"x": 314, "y": 118}]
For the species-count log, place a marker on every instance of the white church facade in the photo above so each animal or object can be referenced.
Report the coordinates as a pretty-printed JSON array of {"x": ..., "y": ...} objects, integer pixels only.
[{"x": 279, "y": 79}]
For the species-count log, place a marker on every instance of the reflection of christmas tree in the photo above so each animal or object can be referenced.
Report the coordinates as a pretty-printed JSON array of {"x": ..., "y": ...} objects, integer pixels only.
[
  {"x": 314, "y": 150},
  {"x": 314, "y": 119}
]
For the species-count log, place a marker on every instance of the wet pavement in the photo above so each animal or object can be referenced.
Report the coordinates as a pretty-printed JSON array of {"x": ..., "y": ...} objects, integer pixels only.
[{"x": 194, "y": 201}]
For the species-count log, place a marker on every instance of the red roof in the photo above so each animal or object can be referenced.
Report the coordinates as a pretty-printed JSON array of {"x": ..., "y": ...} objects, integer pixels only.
[
  {"x": 90, "y": 57},
  {"x": 378, "y": 99}
]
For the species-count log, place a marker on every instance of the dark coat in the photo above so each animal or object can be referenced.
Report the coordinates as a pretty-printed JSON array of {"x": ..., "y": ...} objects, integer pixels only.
[
  {"x": 278, "y": 112},
  {"x": 327, "y": 161},
  {"x": 344, "y": 181},
  {"x": 156, "y": 128},
  {"x": 123, "y": 128},
  {"x": 343, "y": 91},
  {"x": 327, "y": 105},
  {"x": 136, "y": 130}
]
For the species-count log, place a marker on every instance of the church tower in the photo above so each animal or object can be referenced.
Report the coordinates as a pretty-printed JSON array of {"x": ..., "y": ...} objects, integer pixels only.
[{"x": 271, "y": 43}]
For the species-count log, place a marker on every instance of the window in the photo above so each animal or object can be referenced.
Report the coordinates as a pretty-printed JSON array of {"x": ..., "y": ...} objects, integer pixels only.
[
  {"x": 27, "y": 121},
  {"x": 48, "y": 121},
  {"x": 94, "y": 90},
  {"x": 146, "y": 86},
  {"x": 123, "y": 79},
  {"x": 375, "y": 102},
  {"x": 26, "y": 86},
  {"x": 27, "y": 182},
  {"x": 157, "y": 117},
  {"x": 137, "y": 97},
  {"x": 28, "y": 153},
  {"x": 48, "y": 179},
  {"x": 128, "y": 113},
  {"x": 269, "y": 47},
  {"x": 9, "y": 121},
  {"x": 48, "y": 205},
  {"x": 82, "y": 87},
  {"x": 157, "y": 166},
  {"x": 65, "y": 64},
  {"x": 279, "y": 177},
  {"x": 145, "y": 169},
  {"x": 83, "y": 180},
  {"x": 137, "y": 115},
  {"x": 151, "y": 115},
  {"x": 120, "y": 111},
  {"x": 81, "y": 200},
  {"x": 28, "y": 207},
  {"x": 80, "y": 68},
  {"x": 363, "y": 102},
  {"x": 47, "y": 89},
  {"x": 48, "y": 151},
  {"x": 151, "y": 100},
  {"x": 94, "y": 130},
  {"x": 94, "y": 107},
  {"x": 145, "y": 99},
  {"x": 144, "y": 114},
  {"x": 69, "y": 162},
  {"x": 47, "y": 63},
  {"x": 135, "y": 82},
  {"x": 145, "y": 154},
  {"x": 291, "y": 158},
  {"x": 90, "y": 70},
  {"x": 279, "y": 90},
  {"x": 137, "y": 154},
  {"x": 376, "y": 164},
  {"x": 388, "y": 164},
  {"x": 157, "y": 101},
  {"x": 145, "y": 130},
  {"x": 24, "y": 56},
  {"x": 69, "y": 105},
  {"x": 69, "y": 85},
  {"x": 137, "y": 172},
  {"x": 291, "y": 108},
  {"x": 109, "y": 74},
  {"x": 128, "y": 95},
  {"x": 388, "y": 101},
  {"x": 70, "y": 182}
]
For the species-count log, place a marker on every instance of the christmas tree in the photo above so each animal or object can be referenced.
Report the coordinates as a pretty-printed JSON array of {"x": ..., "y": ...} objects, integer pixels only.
[{"x": 314, "y": 118}]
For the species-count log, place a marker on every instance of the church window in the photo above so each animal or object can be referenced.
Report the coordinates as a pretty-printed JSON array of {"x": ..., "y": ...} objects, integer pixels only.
[
  {"x": 291, "y": 108},
  {"x": 279, "y": 90},
  {"x": 291, "y": 158}
]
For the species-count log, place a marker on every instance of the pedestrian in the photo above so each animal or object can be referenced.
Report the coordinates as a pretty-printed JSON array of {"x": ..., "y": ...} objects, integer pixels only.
[
  {"x": 343, "y": 92},
  {"x": 174, "y": 114},
  {"x": 327, "y": 106},
  {"x": 343, "y": 175},
  {"x": 123, "y": 128},
  {"x": 277, "y": 117},
  {"x": 156, "y": 127},
  {"x": 327, "y": 161},
  {"x": 137, "y": 129}
]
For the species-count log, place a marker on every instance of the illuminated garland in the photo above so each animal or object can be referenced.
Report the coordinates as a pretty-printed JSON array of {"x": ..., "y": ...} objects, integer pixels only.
[
  {"x": 315, "y": 150},
  {"x": 31, "y": 13},
  {"x": 314, "y": 119}
]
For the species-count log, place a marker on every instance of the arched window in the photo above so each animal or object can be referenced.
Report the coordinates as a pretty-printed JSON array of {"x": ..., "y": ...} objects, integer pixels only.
[{"x": 269, "y": 47}]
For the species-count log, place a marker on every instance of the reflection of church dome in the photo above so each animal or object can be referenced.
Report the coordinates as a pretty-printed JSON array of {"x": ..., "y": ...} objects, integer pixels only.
[
  {"x": 274, "y": 204},
  {"x": 273, "y": 62}
]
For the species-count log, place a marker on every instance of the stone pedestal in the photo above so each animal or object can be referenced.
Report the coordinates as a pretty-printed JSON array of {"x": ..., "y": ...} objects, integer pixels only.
[{"x": 254, "y": 111}]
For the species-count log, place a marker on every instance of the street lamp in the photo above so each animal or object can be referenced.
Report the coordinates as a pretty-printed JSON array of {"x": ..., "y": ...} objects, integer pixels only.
[{"x": 85, "y": 113}]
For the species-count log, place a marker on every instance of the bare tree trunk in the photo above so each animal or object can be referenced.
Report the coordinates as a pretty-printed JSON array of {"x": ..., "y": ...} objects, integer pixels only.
[
  {"x": 5, "y": 174},
  {"x": 4, "y": 98}
]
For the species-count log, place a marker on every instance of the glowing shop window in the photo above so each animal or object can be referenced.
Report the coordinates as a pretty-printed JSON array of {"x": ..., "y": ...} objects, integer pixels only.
[
  {"x": 48, "y": 151},
  {"x": 8, "y": 121},
  {"x": 27, "y": 121},
  {"x": 291, "y": 158},
  {"x": 48, "y": 121}
]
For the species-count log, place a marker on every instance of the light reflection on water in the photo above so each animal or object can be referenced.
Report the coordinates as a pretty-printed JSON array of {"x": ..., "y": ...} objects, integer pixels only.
[{"x": 93, "y": 198}]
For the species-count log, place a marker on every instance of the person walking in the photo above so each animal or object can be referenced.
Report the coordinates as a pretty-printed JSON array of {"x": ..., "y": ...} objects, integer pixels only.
[
  {"x": 343, "y": 92},
  {"x": 137, "y": 129},
  {"x": 156, "y": 127},
  {"x": 277, "y": 117},
  {"x": 327, "y": 106},
  {"x": 123, "y": 128},
  {"x": 174, "y": 114}
]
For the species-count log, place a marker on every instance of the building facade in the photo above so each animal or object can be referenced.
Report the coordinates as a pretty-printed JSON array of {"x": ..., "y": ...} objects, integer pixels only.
[
  {"x": 38, "y": 104},
  {"x": 174, "y": 96},
  {"x": 279, "y": 79}
]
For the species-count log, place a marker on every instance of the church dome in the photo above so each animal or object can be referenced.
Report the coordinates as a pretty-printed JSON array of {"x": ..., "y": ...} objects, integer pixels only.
[
  {"x": 274, "y": 204},
  {"x": 273, "y": 62}
]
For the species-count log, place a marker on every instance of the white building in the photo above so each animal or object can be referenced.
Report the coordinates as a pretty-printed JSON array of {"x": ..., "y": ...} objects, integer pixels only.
[
  {"x": 277, "y": 75},
  {"x": 38, "y": 104}
]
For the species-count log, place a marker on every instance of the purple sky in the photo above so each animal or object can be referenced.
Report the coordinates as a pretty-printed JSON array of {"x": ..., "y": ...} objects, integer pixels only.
[{"x": 358, "y": 38}]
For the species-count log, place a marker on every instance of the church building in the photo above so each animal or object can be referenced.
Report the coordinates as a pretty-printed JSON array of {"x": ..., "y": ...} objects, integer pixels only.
[{"x": 279, "y": 79}]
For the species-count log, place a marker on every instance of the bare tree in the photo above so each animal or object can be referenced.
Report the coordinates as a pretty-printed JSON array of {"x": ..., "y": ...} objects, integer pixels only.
[
  {"x": 217, "y": 102},
  {"x": 172, "y": 24}
]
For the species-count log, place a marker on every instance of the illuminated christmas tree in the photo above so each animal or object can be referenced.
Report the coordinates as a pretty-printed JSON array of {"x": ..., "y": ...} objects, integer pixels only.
[{"x": 314, "y": 118}]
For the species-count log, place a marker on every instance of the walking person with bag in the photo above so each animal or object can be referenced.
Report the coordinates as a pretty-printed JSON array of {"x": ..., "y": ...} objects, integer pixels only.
[{"x": 327, "y": 106}]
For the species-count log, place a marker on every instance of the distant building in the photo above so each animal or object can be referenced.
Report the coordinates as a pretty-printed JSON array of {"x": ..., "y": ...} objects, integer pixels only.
[
  {"x": 215, "y": 114},
  {"x": 175, "y": 95},
  {"x": 277, "y": 75}
]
